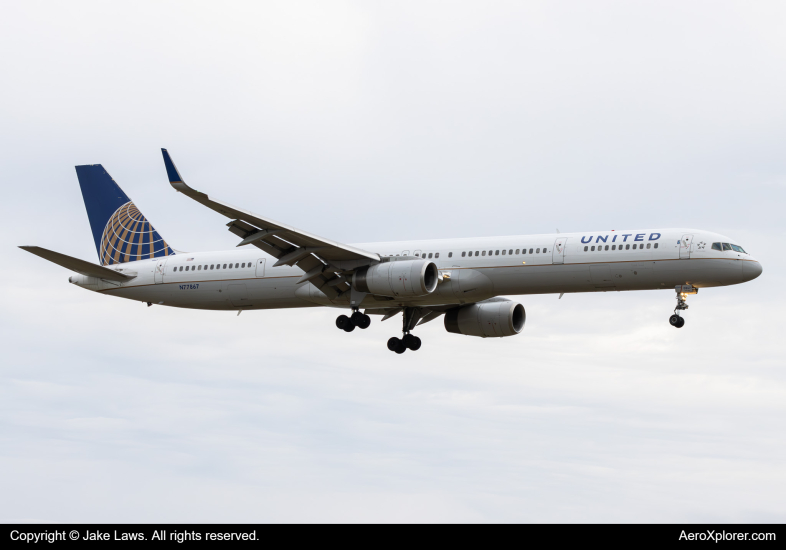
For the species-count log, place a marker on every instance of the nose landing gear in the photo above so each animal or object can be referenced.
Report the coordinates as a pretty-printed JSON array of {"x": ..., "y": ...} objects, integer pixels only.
[{"x": 682, "y": 295}]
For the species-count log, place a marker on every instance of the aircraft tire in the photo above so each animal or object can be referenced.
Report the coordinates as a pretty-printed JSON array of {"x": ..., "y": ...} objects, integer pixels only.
[
  {"x": 342, "y": 321},
  {"x": 361, "y": 320},
  {"x": 411, "y": 342},
  {"x": 394, "y": 344},
  {"x": 674, "y": 320},
  {"x": 681, "y": 323}
]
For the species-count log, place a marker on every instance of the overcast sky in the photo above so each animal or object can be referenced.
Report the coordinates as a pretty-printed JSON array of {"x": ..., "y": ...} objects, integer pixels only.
[{"x": 368, "y": 121}]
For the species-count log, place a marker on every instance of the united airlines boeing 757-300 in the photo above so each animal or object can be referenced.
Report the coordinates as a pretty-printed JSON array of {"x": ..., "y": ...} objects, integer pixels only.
[{"x": 279, "y": 266}]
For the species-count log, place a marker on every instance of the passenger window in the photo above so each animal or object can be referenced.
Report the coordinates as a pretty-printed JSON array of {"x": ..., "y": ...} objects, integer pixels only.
[
  {"x": 237, "y": 265},
  {"x": 491, "y": 252},
  {"x": 484, "y": 252},
  {"x": 607, "y": 247},
  {"x": 614, "y": 247},
  {"x": 430, "y": 254},
  {"x": 656, "y": 245},
  {"x": 496, "y": 253},
  {"x": 586, "y": 248},
  {"x": 476, "y": 253},
  {"x": 717, "y": 246},
  {"x": 503, "y": 252},
  {"x": 517, "y": 252},
  {"x": 243, "y": 264},
  {"x": 181, "y": 268},
  {"x": 537, "y": 251},
  {"x": 463, "y": 254},
  {"x": 225, "y": 266},
  {"x": 649, "y": 245},
  {"x": 510, "y": 251},
  {"x": 627, "y": 247},
  {"x": 530, "y": 251},
  {"x": 450, "y": 254},
  {"x": 524, "y": 251},
  {"x": 436, "y": 255},
  {"x": 230, "y": 266},
  {"x": 726, "y": 246},
  {"x": 199, "y": 268}
]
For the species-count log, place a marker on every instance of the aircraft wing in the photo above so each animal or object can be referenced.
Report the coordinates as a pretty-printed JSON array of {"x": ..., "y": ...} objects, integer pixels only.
[
  {"x": 75, "y": 264},
  {"x": 321, "y": 259}
]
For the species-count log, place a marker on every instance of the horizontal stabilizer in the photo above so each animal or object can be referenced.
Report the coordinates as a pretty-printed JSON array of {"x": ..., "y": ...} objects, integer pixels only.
[{"x": 75, "y": 264}]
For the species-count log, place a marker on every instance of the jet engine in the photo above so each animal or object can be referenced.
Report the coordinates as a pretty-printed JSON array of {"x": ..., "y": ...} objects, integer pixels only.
[
  {"x": 402, "y": 278},
  {"x": 487, "y": 319}
]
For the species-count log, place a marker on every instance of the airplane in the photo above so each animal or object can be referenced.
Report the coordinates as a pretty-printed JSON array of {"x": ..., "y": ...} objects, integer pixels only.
[{"x": 278, "y": 266}]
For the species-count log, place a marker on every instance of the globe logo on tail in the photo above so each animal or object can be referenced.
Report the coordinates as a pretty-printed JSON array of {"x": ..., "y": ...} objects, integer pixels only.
[{"x": 128, "y": 237}]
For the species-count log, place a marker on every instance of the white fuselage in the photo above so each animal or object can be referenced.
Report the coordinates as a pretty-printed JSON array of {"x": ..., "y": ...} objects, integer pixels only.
[{"x": 538, "y": 264}]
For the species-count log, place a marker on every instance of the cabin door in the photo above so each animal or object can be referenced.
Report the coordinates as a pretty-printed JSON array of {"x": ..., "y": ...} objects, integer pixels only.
[
  {"x": 558, "y": 254},
  {"x": 685, "y": 245},
  {"x": 158, "y": 274},
  {"x": 261, "y": 267}
]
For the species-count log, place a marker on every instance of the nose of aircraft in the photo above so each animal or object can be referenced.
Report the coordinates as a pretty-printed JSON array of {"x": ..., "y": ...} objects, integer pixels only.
[{"x": 751, "y": 270}]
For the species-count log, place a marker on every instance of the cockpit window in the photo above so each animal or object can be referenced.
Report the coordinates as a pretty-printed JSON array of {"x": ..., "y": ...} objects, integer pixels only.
[
  {"x": 717, "y": 246},
  {"x": 726, "y": 246},
  {"x": 738, "y": 249}
]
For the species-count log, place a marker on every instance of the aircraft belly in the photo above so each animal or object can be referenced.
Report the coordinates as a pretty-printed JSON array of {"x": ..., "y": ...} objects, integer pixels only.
[
  {"x": 273, "y": 293},
  {"x": 714, "y": 272},
  {"x": 548, "y": 278}
]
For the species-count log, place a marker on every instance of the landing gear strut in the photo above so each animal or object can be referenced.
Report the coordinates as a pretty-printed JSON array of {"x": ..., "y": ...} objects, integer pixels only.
[
  {"x": 682, "y": 295},
  {"x": 348, "y": 324},
  {"x": 409, "y": 341}
]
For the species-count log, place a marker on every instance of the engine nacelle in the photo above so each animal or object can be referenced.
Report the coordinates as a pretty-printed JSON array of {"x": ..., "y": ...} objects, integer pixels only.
[
  {"x": 487, "y": 320},
  {"x": 402, "y": 278}
]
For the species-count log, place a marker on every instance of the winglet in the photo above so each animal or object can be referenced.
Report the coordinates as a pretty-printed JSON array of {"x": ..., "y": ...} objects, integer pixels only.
[{"x": 171, "y": 170}]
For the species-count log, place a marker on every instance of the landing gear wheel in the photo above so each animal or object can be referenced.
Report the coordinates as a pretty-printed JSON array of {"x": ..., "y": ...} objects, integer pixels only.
[
  {"x": 681, "y": 323},
  {"x": 394, "y": 344},
  {"x": 360, "y": 320},
  {"x": 674, "y": 320},
  {"x": 411, "y": 341},
  {"x": 345, "y": 323}
]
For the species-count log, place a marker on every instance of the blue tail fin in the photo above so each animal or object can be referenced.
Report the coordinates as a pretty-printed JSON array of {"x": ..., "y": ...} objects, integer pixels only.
[{"x": 121, "y": 232}]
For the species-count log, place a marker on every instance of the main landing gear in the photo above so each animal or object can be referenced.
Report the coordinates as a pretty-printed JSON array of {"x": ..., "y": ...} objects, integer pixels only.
[
  {"x": 348, "y": 324},
  {"x": 409, "y": 341},
  {"x": 682, "y": 295}
]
